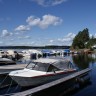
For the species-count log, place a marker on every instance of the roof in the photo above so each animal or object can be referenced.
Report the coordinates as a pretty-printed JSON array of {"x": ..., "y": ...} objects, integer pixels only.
[
  {"x": 51, "y": 60},
  {"x": 60, "y": 63},
  {"x": 46, "y": 60}
]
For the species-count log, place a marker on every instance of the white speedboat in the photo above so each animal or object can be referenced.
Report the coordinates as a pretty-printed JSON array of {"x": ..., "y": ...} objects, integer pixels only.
[
  {"x": 41, "y": 71},
  {"x": 6, "y": 61}
]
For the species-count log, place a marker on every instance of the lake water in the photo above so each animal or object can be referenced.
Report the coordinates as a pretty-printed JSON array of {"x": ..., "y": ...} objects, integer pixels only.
[{"x": 81, "y": 62}]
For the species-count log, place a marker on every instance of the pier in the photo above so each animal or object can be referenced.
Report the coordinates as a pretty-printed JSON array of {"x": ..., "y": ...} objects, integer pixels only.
[{"x": 77, "y": 76}]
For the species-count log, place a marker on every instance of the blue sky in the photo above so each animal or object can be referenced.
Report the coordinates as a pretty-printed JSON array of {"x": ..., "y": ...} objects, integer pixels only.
[{"x": 45, "y": 22}]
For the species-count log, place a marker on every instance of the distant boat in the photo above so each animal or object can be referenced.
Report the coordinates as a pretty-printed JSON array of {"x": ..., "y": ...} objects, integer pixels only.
[
  {"x": 2, "y": 53},
  {"x": 41, "y": 71},
  {"x": 32, "y": 53},
  {"x": 6, "y": 61}
]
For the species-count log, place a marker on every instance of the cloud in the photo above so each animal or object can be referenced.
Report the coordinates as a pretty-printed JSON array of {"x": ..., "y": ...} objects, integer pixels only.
[
  {"x": 70, "y": 35},
  {"x": 45, "y": 22},
  {"x": 22, "y": 28},
  {"x": 66, "y": 40},
  {"x": 48, "y": 20},
  {"x": 47, "y": 3},
  {"x": 33, "y": 21},
  {"x": 5, "y": 33}
]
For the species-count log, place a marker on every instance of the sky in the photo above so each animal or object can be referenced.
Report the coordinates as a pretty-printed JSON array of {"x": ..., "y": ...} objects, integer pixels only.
[{"x": 45, "y": 22}]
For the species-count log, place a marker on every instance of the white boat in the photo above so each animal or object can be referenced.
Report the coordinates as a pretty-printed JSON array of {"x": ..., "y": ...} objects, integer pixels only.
[
  {"x": 6, "y": 61},
  {"x": 41, "y": 71},
  {"x": 32, "y": 53}
]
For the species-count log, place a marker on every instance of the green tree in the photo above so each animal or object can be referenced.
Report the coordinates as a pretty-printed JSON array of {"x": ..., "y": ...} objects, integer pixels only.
[
  {"x": 81, "y": 39},
  {"x": 91, "y": 42}
]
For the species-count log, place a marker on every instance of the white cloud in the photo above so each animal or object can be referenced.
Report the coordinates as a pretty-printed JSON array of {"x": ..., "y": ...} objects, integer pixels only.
[
  {"x": 67, "y": 40},
  {"x": 43, "y": 23},
  {"x": 32, "y": 21},
  {"x": 22, "y": 28},
  {"x": 69, "y": 37},
  {"x": 48, "y": 20},
  {"x": 5, "y": 33},
  {"x": 56, "y": 2},
  {"x": 47, "y": 3}
]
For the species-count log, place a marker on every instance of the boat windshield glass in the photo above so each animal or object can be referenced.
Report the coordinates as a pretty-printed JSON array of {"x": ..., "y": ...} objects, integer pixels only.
[
  {"x": 64, "y": 65},
  {"x": 38, "y": 66}
]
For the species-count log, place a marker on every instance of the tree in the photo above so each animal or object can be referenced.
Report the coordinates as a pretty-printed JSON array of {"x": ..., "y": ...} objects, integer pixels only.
[
  {"x": 80, "y": 39},
  {"x": 91, "y": 43}
]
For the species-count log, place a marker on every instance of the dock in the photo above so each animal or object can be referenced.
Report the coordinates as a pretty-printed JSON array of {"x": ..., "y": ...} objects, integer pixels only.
[
  {"x": 40, "y": 88},
  {"x": 5, "y": 69}
]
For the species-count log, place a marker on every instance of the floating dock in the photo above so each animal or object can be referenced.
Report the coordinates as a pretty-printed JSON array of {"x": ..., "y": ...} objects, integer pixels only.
[{"x": 75, "y": 76}]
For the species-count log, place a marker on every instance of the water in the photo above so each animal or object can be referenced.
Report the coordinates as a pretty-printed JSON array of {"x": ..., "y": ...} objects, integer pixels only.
[
  {"x": 81, "y": 62},
  {"x": 84, "y": 61}
]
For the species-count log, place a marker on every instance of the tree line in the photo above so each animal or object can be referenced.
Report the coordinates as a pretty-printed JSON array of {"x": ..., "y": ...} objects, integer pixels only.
[{"x": 35, "y": 47}]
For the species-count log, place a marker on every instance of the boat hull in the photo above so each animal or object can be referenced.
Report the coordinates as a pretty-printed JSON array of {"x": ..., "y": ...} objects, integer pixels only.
[{"x": 38, "y": 80}]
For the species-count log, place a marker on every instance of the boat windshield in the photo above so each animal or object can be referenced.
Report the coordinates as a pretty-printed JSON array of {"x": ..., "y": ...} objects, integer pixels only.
[
  {"x": 64, "y": 65},
  {"x": 38, "y": 66}
]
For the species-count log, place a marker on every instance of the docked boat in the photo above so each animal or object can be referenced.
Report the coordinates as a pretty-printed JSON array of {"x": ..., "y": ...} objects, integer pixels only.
[
  {"x": 41, "y": 71},
  {"x": 6, "y": 61}
]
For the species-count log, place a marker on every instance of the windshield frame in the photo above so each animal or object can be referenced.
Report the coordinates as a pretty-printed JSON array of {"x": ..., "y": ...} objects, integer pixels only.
[{"x": 37, "y": 65}]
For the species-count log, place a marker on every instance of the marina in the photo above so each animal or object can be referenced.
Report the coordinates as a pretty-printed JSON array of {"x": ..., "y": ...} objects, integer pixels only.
[
  {"x": 47, "y": 48},
  {"x": 74, "y": 80}
]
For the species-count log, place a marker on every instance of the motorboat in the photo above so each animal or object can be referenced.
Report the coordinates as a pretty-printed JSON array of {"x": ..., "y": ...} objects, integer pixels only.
[
  {"x": 41, "y": 71},
  {"x": 6, "y": 61},
  {"x": 32, "y": 53}
]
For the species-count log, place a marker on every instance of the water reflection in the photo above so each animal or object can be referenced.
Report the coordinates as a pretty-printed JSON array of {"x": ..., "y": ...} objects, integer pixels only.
[{"x": 83, "y": 61}]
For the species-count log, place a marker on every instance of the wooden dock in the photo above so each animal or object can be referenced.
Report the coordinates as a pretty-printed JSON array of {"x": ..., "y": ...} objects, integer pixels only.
[
  {"x": 7, "y": 68},
  {"x": 30, "y": 92}
]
